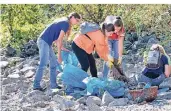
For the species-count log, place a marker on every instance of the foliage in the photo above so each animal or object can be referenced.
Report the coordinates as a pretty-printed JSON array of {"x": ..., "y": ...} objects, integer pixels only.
[{"x": 22, "y": 22}]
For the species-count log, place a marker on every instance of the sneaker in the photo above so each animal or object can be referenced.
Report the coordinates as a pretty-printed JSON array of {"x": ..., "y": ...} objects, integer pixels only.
[
  {"x": 40, "y": 89},
  {"x": 56, "y": 89}
]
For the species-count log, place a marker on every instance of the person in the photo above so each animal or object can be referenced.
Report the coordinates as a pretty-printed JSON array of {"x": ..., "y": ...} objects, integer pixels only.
[
  {"x": 154, "y": 76},
  {"x": 84, "y": 45},
  {"x": 115, "y": 40},
  {"x": 54, "y": 33}
]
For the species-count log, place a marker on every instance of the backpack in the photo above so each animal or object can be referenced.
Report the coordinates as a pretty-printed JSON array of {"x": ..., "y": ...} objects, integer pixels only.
[
  {"x": 88, "y": 27},
  {"x": 154, "y": 59}
]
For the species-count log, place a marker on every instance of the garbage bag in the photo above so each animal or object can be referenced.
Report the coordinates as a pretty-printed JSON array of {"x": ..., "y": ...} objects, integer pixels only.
[{"x": 73, "y": 76}]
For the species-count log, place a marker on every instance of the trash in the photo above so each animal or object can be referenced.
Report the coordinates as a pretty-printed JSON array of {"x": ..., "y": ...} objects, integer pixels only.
[
  {"x": 67, "y": 58},
  {"x": 96, "y": 86},
  {"x": 73, "y": 76}
]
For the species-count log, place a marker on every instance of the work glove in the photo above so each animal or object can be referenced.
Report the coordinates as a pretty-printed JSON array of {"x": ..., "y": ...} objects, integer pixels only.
[
  {"x": 110, "y": 62},
  {"x": 119, "y": 60}
]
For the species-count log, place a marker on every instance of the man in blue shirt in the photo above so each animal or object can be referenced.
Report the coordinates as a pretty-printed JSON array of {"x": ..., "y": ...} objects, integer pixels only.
[{"x": 55, "y": 32}]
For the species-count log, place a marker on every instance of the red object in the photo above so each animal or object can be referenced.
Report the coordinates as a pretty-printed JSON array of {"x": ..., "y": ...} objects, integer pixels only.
[
  {"x": 152, "y": 93},
  {"x": 115, "y": 35}
]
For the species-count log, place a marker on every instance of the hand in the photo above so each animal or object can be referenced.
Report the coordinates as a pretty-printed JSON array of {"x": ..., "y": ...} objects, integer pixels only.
[
  {"x": 119, "y": 60},
  {"x": 110, "y": 64},
  {"x": 110, "y": 58},
  {"x": 59, "y": 59}
]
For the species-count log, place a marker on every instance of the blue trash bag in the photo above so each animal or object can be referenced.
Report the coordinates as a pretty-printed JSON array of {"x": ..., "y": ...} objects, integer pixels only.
[
  {"x": 115, "y": 88},
  {"x": 93, "y": 85},
  {"x": 67, "y": 58},
  {"x": 73, "y": 76},
  {"x": 117, "y": 93},
  {"x": 96, "y": 86}
]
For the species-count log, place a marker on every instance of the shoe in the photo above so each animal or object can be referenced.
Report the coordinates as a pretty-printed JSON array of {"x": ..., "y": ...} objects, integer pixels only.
[
  {"x": 40, "y": 89},
  {"x": 56, "y": 89}
]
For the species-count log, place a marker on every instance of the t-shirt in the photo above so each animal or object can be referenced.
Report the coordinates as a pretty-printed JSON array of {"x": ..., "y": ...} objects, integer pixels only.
[
  {"x": 51, "y": 33},
  {"x": 158, "y": 71},
  {"x": 115, "y": 36}
]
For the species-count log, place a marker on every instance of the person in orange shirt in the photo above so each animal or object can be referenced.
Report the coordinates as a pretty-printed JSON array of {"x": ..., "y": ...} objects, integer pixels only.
[
  {"x": 115, "y": 40},
  {"x": 83, "y": 46}
]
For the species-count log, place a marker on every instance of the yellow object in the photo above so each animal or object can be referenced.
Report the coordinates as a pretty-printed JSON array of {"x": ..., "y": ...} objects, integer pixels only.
[
  {"x": 119, "y": 60},
  {"x": 110, "y": 64}
]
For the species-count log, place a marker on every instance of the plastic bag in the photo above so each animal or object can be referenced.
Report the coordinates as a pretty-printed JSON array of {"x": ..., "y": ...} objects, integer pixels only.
[{"x": 73, "y": 76}]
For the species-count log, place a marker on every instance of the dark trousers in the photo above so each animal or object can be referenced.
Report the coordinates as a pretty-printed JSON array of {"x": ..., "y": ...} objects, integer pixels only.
[{"x": 86, "y": 60}]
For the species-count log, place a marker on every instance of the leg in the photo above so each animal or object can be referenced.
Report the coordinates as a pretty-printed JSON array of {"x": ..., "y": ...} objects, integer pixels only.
[
  {"x": 115, "y": 49},
  {"x": 53, "y": 64},
  {"x": 105, "y": 70},
  {"x": 105, "y": 67},
  {"x": 157, "y": 81},
  {"x": 81, "y": 56},
  {"x": 92, "y": 64},
  {"x": 143, "y": 78},
  {"x": 44, "y": 57}
]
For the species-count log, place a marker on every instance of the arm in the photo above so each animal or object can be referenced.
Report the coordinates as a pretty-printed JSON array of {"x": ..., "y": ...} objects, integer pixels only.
[
  {"x": 120, "y": 46},
  {"x": 59, "y": 45},
  {"x": 167, "y": 70}
]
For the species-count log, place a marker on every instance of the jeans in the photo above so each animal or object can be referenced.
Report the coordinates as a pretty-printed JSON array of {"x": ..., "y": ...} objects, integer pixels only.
[
  {"x": 154, "y": 82},
  {"x": 46, "y": 54},
  {"x": 86, "y": 60},
  {"x": 113, "y": 51}
]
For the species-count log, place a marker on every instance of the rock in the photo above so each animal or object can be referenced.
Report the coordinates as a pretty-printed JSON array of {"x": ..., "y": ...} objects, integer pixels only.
[
  {"x": 25, "y": 69},
  {"x": 94, "y": 99},
  {"x": 119, "y": 102},
  {"x": 29, "y": 49},
  {"x": 3, "y": 64},
  {"x": 34, "y": 63},
  {"x": 13, "y": 76},
  {"x": 36, "y": 96},
  {"x": 40, "y": 104},
  {"x": 100, "y": 74},
  {"x": 82, "y": 100},
  {"x": 34, "y": 93},
  {"x": 164, "y": 95},
  {"x": 58, "y": 98},
  {"x": 64, "y": 103},
  {"x": 4, "y": 97},
  {"x": 10, "y": 88},
  {"x": 106, "y": 99},
  {"x": 3, "y": 58},
  {"x": 28, "y": 109},
  {"x": 6, "y": 72},
  {"x": 20, "y": 66},
  {"x": 9, "y": 81},
  {"x": 93, "y": 107},
  {"x": 151, "y": 41},
  {"x": 10, "y": 51},
  {"x": 166, "y": 83},
  {"x": 29, "y": 74}
]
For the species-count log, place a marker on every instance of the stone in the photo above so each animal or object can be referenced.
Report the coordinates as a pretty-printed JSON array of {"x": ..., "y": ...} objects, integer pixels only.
[
  {"x": 13, "y": 76},
  {"x": 9, "y": 81},
  {"x": 10, "y": 88},
  {"x": 29, "y": 74},
  {"x": 119, "y": 102},
  {"x": 93, "y": 107},
  {"x": 26, "y": 69},
  {"x": 166, "y": 83},
  {"x": 82, "y": 100},
  {"x": 164, "y": 95},
  {"x": 106, "y": 99},
  {"x": 3, "y": 64},
  {"x": 94, "y": 99}
]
